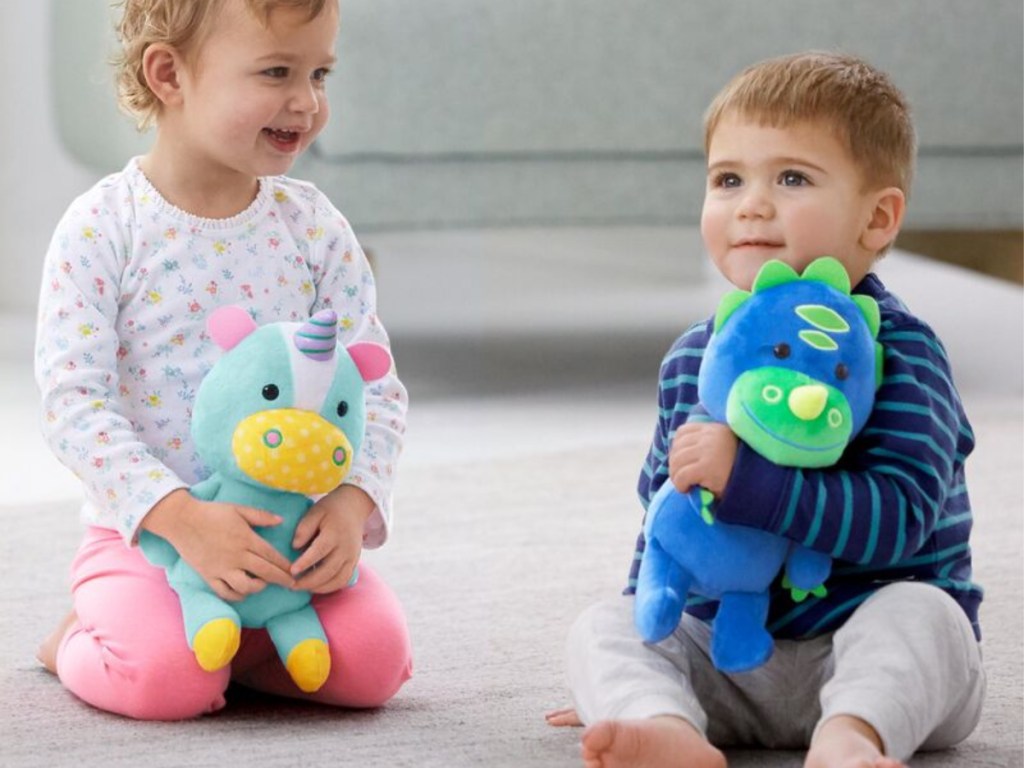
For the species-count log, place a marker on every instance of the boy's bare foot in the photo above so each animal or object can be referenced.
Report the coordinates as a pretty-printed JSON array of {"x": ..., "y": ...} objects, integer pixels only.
[
  {"x": 563, "y": 717},
  {"x": 660, "y": 741},
  {"x": 47, "y": 650},
  {"x": 848, "y": 742}
]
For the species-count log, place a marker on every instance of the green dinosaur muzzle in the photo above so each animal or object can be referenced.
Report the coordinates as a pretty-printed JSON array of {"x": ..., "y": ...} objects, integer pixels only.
[
  {"x": 789, "y": 418},
  {"x": 292, "y": 450}
]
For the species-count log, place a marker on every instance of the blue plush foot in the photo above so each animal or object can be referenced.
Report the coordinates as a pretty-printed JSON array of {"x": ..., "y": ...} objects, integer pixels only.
[
  {"x": 739, "y": 640},
  {"x": 660, "y": 593},
  {"x": 657, "y": 614}
]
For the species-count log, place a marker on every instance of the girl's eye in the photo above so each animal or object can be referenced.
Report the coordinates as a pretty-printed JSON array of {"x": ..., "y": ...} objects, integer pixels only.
[
  {"x": 276, "y": 72},
  {"x": 726, "y": 180},
  {"x": 319, "y": 75},
  {"x": 793, "y": 179}
]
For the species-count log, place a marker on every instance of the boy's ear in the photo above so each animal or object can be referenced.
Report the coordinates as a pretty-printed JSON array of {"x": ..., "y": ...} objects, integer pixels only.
[
  {"x": 161, "y": 66},
  {"x": 889, "y": 205}
]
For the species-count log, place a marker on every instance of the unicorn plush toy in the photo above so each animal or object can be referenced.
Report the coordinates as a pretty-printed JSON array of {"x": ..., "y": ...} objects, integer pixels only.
[
  {"x": 792, "y": 367},
  {"x": 280, "y": 417}
]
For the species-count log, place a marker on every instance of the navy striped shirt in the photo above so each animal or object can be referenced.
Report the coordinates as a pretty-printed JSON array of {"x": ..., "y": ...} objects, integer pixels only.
[{"x": 895, "y": 506}]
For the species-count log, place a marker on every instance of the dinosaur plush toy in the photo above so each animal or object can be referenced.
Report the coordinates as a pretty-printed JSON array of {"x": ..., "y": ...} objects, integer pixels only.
[
  {"x": 280, "y": 417},
  {"x": 792, "y": 368}
]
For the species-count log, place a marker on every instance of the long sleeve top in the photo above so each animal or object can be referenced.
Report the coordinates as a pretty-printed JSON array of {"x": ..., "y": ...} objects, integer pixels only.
[
  {"x": 894, "y": 508},
  {"x": 121, "y": 345}
]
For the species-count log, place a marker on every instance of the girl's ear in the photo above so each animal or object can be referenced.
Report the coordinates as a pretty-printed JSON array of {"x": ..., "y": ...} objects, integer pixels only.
[
  {"x": 161, "y": 66},
  {"x": 886, "y": 217}
]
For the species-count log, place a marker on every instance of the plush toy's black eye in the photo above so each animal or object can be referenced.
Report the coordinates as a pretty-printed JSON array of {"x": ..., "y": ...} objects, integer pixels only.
[
  {"x": 342, "y": 408},
  {"x": 271, "y": 392},
  {"x": 842, "y": 372},
  {"x": 781, "y": 351}
]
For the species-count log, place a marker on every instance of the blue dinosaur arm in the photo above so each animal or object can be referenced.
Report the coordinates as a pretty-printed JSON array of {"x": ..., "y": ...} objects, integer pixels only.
[{"x": 806, "y": 568}]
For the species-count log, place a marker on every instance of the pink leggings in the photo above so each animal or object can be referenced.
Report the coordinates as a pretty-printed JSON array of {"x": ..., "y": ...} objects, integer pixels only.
[{"x": 126, "y": 653}]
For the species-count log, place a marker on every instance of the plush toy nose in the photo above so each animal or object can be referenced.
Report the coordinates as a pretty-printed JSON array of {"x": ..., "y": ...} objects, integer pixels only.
[
  {"x": 807, "y": 402},
  {"x": 292, "y": 450}
]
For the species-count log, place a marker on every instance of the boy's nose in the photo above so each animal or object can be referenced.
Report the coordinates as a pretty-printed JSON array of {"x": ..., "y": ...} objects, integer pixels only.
[{"x": 755, "y": 203}]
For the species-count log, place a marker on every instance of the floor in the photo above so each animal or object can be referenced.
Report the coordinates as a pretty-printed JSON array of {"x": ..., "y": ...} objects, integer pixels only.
[{"x": 520, "y": 341}]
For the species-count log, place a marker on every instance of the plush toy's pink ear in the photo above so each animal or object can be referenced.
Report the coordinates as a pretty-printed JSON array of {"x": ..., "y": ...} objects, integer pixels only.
[
  {"x": 372, "y": 360},
  {"x": 229, "y": 325}
]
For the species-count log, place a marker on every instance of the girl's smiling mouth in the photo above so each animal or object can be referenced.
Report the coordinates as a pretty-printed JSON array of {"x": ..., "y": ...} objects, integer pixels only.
[{"x": 285, "y": 141}]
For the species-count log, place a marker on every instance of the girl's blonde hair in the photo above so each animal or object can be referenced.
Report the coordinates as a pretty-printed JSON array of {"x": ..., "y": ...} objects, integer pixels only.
[
  {"x": 869, "y": 114},
  {"x": 181, "y": 24}
]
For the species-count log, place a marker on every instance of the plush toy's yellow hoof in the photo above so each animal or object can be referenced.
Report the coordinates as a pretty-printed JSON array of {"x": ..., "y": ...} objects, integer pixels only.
[
  {"x": 216, "y": 643},
  {"x": 309, "y": 664}
]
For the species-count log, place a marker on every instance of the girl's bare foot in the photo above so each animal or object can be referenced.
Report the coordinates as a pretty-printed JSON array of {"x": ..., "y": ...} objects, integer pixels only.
[
  {"x": 563, "y": 717},
  {"x": 848, "y": 742},
  {"x": 47, "y": 651},
  {"x": 659, "y": 741}
]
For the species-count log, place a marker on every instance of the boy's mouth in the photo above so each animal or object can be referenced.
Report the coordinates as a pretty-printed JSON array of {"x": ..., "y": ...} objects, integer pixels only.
[
  {"x": 757, "y": 243},
  {"x": 285, "y": 141}
]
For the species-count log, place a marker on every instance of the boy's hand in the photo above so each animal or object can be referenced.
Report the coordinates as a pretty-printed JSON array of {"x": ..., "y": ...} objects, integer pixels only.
[
  {"x": 219, "y": 542},
  {"x": 702, "y": 454},
  {"x": 333, "y": 531}
]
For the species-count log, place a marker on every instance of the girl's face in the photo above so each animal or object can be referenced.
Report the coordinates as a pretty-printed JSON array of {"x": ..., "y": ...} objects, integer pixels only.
[
  {"x": 253, "y": 96},
  {"x": 790, "y": 193}
]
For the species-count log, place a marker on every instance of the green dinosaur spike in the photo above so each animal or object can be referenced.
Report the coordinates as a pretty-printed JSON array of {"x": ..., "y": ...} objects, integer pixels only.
[
  {"x": 729, "y": 304},
  {"x": 879, "y": 364},
  {"x": 823, "y": 318},
  {"x": 829, "y": 271},
  {"x": 869, "y": 308},
  {"x": 774, "y": 273}
]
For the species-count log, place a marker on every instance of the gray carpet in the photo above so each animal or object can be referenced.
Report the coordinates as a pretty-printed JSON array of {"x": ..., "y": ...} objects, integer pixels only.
[{"x": 491, "y": 580}]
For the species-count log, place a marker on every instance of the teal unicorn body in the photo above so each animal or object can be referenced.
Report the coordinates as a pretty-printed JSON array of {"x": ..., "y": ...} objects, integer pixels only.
[{"x": 279, "y": 418}]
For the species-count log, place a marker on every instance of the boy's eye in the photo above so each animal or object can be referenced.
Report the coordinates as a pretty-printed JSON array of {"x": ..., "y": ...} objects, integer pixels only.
[
  {"x": 276, "y": 72},
  {"x": 726, "y": 180},
  {"x": 792, "y": 179},
  {"x": 319, "y": 75}
]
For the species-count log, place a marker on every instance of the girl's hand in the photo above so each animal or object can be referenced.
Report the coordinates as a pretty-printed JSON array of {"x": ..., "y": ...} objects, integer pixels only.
[
  {"x": 333, "y": 531},
  {"x": 702, "y": 454},
  {"x": 219, "y": 542}
]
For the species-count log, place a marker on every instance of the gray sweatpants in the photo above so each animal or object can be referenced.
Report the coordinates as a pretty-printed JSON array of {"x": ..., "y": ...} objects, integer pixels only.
[{"x": 906, "y": 662}]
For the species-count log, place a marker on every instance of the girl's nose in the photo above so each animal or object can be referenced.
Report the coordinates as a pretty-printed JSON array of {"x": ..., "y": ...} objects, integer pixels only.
[{"x": 305, "y": 99}]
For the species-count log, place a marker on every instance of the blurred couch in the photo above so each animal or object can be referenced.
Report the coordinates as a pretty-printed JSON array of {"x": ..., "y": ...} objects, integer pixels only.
[{"x": 480, "y": 113}]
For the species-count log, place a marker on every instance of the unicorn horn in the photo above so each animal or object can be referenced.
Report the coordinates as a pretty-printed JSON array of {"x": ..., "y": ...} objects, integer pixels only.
[{"x": 318, "y": 336}]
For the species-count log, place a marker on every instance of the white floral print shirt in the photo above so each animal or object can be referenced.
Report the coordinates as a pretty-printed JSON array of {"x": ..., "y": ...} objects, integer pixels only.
[{"x": 121, "y": 345}]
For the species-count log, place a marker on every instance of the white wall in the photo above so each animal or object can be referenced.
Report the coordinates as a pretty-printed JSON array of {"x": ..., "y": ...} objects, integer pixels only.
[{"x": 37, "y": 178}]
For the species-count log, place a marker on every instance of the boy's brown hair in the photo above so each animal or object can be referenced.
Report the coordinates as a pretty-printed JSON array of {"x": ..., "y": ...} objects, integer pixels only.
[
  {"x": 868, "y": 112},
  {"x": 181, "y": 24}
]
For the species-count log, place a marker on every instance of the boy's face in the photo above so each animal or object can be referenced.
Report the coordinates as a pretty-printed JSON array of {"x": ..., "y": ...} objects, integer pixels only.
[
  {"x": 253, "y": 95},
  {"x": 791, "y": 194}
]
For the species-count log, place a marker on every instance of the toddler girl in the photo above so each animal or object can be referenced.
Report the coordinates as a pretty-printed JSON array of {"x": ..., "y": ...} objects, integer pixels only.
[{"x": 235, "y": 89}]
